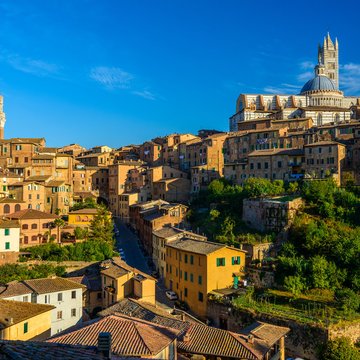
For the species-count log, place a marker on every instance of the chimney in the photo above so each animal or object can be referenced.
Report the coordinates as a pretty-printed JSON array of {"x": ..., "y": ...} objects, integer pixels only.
[
  {"x": 250, "y": 339},
  {"x": 104, "y": 344}
]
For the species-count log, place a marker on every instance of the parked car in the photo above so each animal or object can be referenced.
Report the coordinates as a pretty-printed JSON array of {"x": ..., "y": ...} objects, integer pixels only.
[
  {"x": 171, "y": 295},
  {"x": 182, "y": 305}
]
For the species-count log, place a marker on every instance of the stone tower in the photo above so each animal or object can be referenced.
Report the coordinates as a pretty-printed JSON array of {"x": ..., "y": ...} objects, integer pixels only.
[
  {"x": 328, "y": 55},
  {"x": 2, "y": 118}
]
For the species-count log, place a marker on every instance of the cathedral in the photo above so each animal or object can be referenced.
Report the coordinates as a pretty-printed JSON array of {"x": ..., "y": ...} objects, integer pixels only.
[{"x": 319, "y": 99}]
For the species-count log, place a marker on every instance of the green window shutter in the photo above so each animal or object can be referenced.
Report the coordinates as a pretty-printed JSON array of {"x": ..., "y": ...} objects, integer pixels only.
[
  {"x": 232, "y": 261},
  {"x": 217, "y": 262},
  {"x": 7, "y": 232},
  {"x": 200, "y": 280},
  {"x": 7, "y": 246},
  {"x": 26, "y": 327},
  {"x": 238, "y": 260}
]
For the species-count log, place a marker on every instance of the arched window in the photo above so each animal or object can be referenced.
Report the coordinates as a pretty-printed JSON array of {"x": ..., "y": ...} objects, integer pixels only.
[
  {"x": 34, "y": 238},
  {"x": 17, "y": 207},
  {"x": 34, "y": 226},
  {"x": 319, "y": 119},
  {"x": 25, "y": 226},
  {"x": 6, "y": 209}
]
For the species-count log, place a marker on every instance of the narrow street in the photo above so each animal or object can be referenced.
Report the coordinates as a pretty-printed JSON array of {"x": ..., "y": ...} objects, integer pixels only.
[{"x": 129, "y": 242}]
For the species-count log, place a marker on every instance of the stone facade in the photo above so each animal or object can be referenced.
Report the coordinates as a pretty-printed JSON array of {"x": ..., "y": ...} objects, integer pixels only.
[{"x": 270, "y": 214}]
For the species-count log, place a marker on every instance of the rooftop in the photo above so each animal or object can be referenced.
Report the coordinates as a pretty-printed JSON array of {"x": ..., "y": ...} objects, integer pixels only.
[
  {"x": 49, "y": 285},
  {"x": 129, "y": 336},
  {"x": 13, "y": 288},
  {"x": 13, "y": 312},
  {"x": 31, "y": 214},
  {"x": 196, "y": 246},
  {"x": 84, "y": 211},
  {"x": 30, "y": 350}
]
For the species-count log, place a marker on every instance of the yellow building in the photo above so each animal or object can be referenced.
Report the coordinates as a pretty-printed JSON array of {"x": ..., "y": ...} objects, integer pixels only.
[
  {"x": 120, "y": 281},
  {"x": 24, "y": 320},
  {"x": 195, "y": 267},
  {"x": 82, "y": 217}
]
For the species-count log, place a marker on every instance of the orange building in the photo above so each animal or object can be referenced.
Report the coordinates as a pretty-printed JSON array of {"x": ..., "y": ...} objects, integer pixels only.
[{"x": 35, "y": 226}]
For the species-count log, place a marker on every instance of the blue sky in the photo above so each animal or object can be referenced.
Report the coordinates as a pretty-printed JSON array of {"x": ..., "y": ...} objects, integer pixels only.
[{"x": 118, "y": 72}]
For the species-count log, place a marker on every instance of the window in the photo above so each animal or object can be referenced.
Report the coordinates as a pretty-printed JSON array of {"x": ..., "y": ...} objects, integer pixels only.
[
  {"x": 220, "y": 262},
  {"x": 200, "y": 280},
  {"x": 191, "y": 277},
  {"x": 7, "y": 232},
  {"x": 320, "y": 150},
  {"x": 6, "y": 209},
  {"x": 73, "y": 294},
  {"x": 185, "y": 258},
  {"x": 235, "y": 260},
  {"x": 185, "y": 292},
  {"x": 26, "y": 327},
  {"x": 34, "y": 226},
  {"x": 17, "y": 147},
  {"x": 25, "y": 298},
  {"x": 279, "y": 164},
  {"x": 73, "y": 312},
  {"x": 7, "y": 246},
  {"x": 185, "y": 275},
  {"x": 99, "y": 295},
  {"x": 59, "y": 315},
  {"x": 200, "y": 296},
  {"x": 192, "y": 259},
  {"x": 60, "y": 297}
]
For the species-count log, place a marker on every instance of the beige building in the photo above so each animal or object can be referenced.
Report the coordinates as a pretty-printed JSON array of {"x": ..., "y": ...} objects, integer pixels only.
[
  {"x": 118, "y": 176},
  {"x": 324, "y": 158},
  {"x": 120, "y": 281},
  {"x": 24, "y": 320}
]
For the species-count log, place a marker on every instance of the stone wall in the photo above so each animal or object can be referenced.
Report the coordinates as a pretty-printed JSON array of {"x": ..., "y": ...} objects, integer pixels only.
[
  {"x": 302, "y": 341},
  {"x": 8, "y": 257},
  {"x": 347, "y": 329},
  {"x": 270, "y": 214},
  {"x": 260, "y": 278}
]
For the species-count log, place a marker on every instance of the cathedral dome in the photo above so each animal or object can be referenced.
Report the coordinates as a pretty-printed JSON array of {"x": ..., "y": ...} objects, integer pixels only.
[{"x": 319, "y": 83}]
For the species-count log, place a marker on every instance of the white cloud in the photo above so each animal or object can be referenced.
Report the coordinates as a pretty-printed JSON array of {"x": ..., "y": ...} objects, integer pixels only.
[
  {"x": 305, "y": 76},
  {"x": 282, "y": 89},
  {"x": 111, "y": 77},
  {"x": 30, "y": 66},
  {"x": 145, "y": 94},
  {"x": 307, "y": 65},
  {"x": 350, "y": 78}
]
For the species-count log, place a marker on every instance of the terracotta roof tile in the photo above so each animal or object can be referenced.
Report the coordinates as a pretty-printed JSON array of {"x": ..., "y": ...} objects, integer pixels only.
[
  {"x": 14, "y": 288},
  {"x": 129, "y": 336},
  {"x": 43, "y": 286},
  {"x": 30, "y": 350},
  {"x": 31, "y": 214}
]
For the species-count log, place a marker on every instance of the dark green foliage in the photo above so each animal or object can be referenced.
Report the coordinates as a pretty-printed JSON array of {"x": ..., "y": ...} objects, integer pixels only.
[
  {"x": 89, "y": 203},
  {"x": 217, "y": 212},
  {"x": 90, "y": 250},
  {"x": 347, "y": 300},
  {"x": 11, "y": 272},
  {"x": 340, "y": 349}
]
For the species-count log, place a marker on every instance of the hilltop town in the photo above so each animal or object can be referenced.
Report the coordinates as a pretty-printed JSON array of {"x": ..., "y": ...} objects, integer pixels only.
[{"x": 241, "y": 244}]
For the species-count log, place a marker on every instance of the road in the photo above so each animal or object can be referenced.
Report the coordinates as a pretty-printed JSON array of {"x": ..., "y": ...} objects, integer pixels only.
[{"x": 129, "y": 242}]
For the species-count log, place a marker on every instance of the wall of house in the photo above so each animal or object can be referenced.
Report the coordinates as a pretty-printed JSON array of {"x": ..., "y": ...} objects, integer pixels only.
[{"x": 39, "y": 328}]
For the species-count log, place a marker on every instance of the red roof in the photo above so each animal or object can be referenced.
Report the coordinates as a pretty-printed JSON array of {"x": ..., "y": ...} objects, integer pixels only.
[{"x": 31, "y": 214}]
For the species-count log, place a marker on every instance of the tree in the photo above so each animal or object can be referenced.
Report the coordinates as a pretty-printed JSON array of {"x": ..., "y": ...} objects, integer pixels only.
[
  {"x": 102, "y": 227},
  {"x": 88, "y": 203},
  {"x": 59, "y": 223},
  {"x": 80, "y": 233},
  {"x": 347, "y": 300},
  {"x": 294, "y": 284},
  {"x": 340, "y": 349}
]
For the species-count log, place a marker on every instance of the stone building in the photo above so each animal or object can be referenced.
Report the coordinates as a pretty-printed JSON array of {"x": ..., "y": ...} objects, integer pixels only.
[
  {"x": 270, "y": 214},
  {"x": 320, "y": 98}
]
